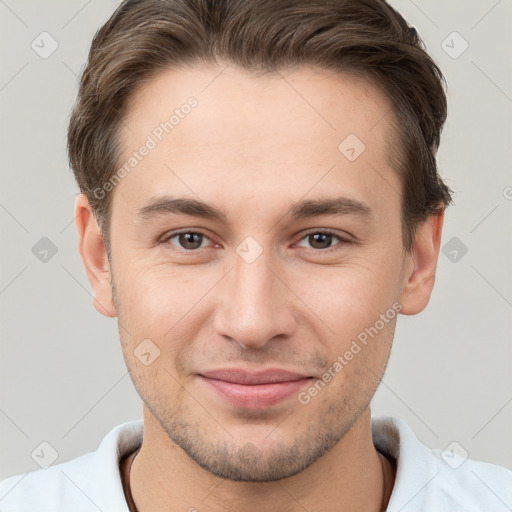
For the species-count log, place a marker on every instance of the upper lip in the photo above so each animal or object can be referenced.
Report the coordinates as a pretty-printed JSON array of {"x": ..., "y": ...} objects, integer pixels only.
[{"x": 240, "y": 376}]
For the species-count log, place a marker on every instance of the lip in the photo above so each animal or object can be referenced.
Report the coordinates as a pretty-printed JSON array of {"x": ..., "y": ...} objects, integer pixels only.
[{"x": 254, "y": 390}]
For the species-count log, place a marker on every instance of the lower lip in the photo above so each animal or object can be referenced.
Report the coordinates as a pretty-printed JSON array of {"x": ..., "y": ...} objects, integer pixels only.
[{"x": 258, "y": 396}]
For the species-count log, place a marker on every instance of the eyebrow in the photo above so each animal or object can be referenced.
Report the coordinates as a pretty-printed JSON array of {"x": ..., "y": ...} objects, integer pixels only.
[{"x": 165, "y": 205}]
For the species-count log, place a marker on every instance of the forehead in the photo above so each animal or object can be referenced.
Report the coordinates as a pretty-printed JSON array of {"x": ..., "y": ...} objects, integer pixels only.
[{"x": 288, "y": 133}]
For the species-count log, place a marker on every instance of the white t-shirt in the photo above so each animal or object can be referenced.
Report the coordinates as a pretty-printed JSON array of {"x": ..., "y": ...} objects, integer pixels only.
[{"x": 426, "y": 480}]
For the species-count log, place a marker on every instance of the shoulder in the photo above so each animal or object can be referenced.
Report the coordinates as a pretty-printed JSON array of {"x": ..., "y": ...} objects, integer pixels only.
[
  {"x": 46, "y": 489},
  {"x": 472, "y": 485},
  {"x": 87, "y": 483},
  {"x": 439, "y": 480}
]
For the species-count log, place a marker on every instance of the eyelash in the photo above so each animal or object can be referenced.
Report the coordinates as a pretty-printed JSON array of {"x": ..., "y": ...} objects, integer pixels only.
[{"x": 342, "y": 241}]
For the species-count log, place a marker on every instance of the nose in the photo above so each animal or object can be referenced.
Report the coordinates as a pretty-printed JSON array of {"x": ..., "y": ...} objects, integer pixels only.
[{"x": 256, "y": 303}]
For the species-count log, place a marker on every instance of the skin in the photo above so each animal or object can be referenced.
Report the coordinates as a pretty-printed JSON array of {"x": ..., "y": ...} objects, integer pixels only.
[{"x": 252, "y": 147}]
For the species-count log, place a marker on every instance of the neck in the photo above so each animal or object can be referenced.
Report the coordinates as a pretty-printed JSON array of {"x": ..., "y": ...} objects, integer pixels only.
[{"x": 349, "y": 477}]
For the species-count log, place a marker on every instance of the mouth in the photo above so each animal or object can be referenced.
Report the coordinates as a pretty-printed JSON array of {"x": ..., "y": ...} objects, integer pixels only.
[{"x": 254, "y": 390}]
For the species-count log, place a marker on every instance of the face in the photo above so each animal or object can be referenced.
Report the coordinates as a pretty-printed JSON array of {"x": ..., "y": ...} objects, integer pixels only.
[{"x": 257, "y": 328}]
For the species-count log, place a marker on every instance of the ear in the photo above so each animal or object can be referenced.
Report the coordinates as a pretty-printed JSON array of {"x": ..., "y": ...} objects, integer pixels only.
[
  {"x": 94, "y": 255},
  {"x": 420, "y": 266}
]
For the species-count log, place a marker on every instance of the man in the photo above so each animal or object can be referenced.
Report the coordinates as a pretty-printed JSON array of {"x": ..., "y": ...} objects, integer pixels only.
[{"x": 260, "y": 200}]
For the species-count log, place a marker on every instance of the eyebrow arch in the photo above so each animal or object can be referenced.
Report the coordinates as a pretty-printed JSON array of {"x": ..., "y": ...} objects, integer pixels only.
[
  {"x": 163, "y": 205},
  {"x": 335, "y": 206}
]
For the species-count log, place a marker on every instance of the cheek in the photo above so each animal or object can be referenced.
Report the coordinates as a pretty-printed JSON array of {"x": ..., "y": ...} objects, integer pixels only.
[
  {"x": 350, "y": 297},
  {"x": 167, "y": 308},
  {"x": 156, "y": 298},
  {"x": 170, "y": 304}
]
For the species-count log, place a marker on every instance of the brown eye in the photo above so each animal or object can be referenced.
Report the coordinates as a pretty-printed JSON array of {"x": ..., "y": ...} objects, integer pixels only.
[
  {"x": 190, "y": 240},
  {"x": 320, "y": 240},
  {"x": 187, "y": 240},
  {"x": 323, "y": 241}
]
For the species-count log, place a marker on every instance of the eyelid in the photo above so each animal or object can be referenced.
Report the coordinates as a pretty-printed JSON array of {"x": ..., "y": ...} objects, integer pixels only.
[
  {"x": 328, "y": 231},
  {"x": 165, "y": 238},
  {"x": 343, "y": 240}
]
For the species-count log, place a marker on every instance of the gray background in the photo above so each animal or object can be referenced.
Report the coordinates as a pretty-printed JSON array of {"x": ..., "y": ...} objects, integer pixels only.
[{"x": 62, "y": 376}]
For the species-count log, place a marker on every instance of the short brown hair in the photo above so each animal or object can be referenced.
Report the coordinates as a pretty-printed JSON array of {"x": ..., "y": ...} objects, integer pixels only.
[{"x": 367, "y": 38}]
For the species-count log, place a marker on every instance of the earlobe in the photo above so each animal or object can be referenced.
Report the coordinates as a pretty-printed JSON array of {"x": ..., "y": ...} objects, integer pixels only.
[
  {"x": 91, "y": 247},
  {"x": 421, "y": 264}
]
